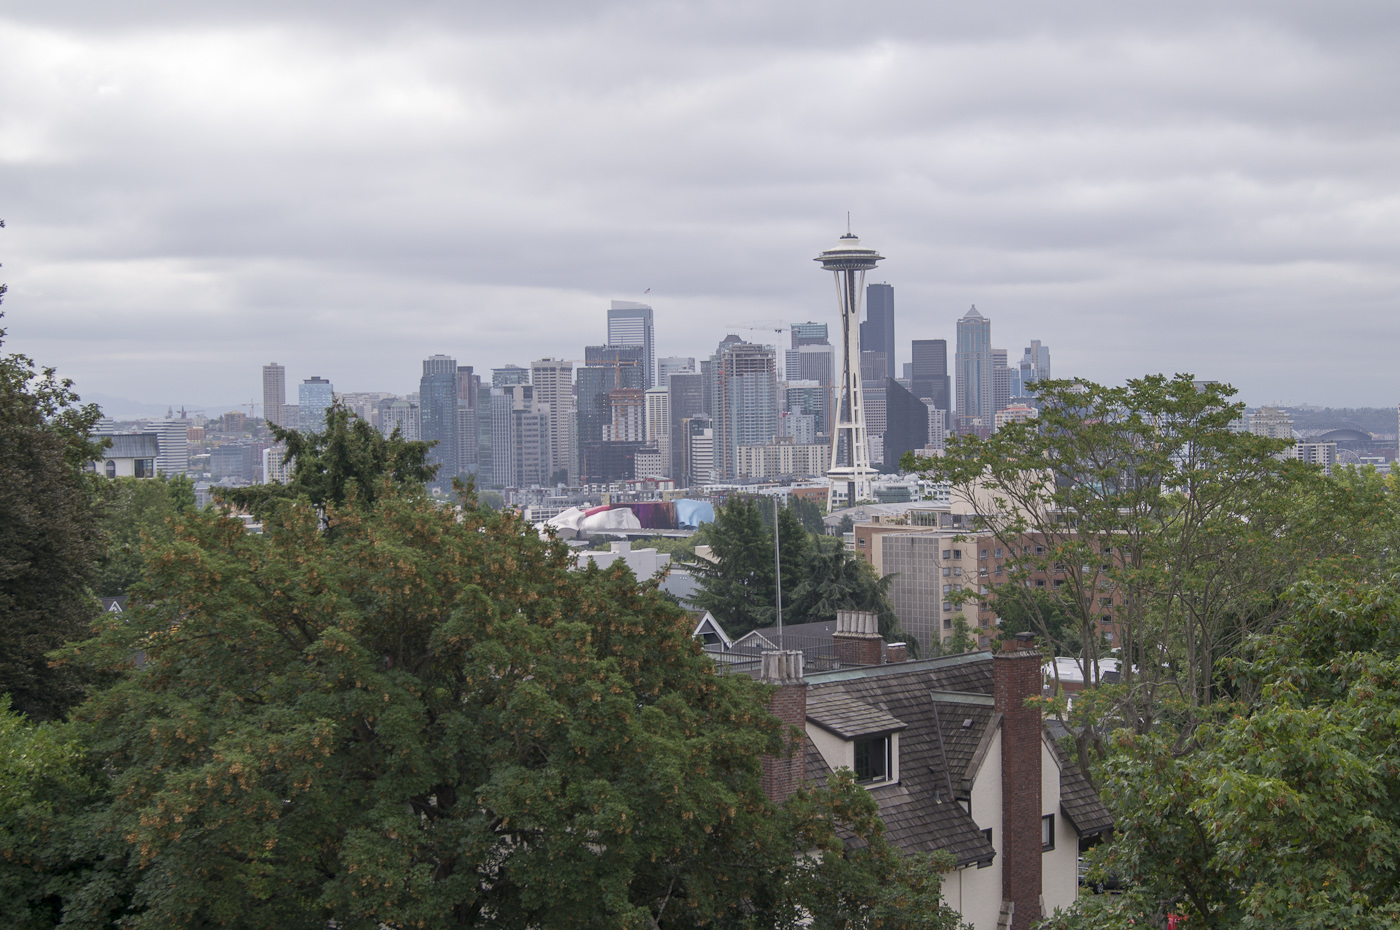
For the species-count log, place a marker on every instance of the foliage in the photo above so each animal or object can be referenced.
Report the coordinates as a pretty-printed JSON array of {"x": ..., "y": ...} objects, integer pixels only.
[
  {"x": 425, "y": 718},
  {"x": 1140, "y": 496},
  {"x": 137, "y": 516},
  {"x": 349, "y": 459},
  {"x": 819, "y": 577},
  {"x": 49, "y": 537},
  {"x": 809, "y": 513},
  {"x": 1285, "y": 812}
]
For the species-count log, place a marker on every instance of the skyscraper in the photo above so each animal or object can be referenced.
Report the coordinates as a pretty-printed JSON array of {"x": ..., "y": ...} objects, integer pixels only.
[
  {"x": 553, "y": 380},
  {"x": 745, "y": 402},
  {"x": 630, "y": 324},
  {"x": 315, "y": 396},
  {"x": 437, "y": 406},
  {"x": 850, "y": 473},
  {"x": 687, "y": 402},
  {"x": 809, "y": 334},
  {"x": 468, "y": 386},
  {"x": 665, "y": 367},
  {"x": 1002, "y": 376},
  {"x": 877, "y": 332},
  {"x": 929, "y": 372},
  {"x": 509, "y": 375},
  {"x": 1035, "y": 365},
  {"x": 274, "y": 393},
  {"x": 973, "y": 366}
]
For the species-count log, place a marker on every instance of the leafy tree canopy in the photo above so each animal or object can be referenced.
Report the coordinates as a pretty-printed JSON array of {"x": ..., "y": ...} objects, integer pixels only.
[
  {"x": 138, "y": 514},
  {"x": 426, "y": 718}
]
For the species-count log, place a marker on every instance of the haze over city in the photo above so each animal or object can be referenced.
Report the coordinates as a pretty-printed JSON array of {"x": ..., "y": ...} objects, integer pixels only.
[{"x": 348, "y": 189}]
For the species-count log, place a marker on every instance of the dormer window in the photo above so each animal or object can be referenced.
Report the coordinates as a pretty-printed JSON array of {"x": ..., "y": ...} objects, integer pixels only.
[{"x": 873, "y": 762}]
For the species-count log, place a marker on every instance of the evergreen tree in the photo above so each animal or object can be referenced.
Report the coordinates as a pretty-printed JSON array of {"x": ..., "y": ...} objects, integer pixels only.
[
  {"x": 49, "y": 537},
  {"x": 138, "y": 516}
]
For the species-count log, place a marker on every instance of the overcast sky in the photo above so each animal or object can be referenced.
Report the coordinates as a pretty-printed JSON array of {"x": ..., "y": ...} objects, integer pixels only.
[{"x": 193, "y": 190}]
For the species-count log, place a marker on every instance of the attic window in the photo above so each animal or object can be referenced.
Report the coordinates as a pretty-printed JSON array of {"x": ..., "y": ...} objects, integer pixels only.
[{"x": 873, "y": 761}]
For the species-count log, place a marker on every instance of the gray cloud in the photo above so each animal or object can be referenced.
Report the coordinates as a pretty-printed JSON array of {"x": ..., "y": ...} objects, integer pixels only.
[{"x": 349, "y": 188}]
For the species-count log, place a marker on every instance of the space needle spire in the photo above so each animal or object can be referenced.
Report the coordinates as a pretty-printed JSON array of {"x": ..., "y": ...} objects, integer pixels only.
[{"x": 850, "y": 471}]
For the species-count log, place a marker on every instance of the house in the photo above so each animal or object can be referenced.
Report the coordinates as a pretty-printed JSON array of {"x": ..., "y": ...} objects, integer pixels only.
[
  {"x": 130, "y": 455},
  {"x": 957, "y": 762}
]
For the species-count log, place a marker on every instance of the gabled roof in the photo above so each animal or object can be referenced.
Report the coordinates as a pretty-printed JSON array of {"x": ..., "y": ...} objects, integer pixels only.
[
  {"x": 945, "y": 706},
  {"x": 834, "y": 710},
  {"x": 131, "y": 446},
  {"x": 705, "y": 622},
  {"x": 1080, "y": 803}
]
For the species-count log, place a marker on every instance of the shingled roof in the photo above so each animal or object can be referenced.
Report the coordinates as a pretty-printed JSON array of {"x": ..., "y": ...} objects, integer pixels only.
[{"x": 945, "y": 708}]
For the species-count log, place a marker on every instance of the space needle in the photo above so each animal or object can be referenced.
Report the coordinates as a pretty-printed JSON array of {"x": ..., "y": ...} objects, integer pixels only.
[{"x": 850, "y": 452}]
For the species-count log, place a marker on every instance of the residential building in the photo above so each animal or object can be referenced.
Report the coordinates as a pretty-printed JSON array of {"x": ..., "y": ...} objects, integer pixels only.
[
  {"x": 783, "y": 460},
  {"x": 630, "y": 324},
  {"x": 937, "y": 429},
  {"x": 174, "y": 440},
  {"x": 398, "y": 414},
  {"x": 1271, "y": 422},
  {"x": 745, "y": 402},
  {"x": 973, "y": 367},
  {"x": 1317, "y": 453},
  {"x": 553, "y": 380},
  {"x": 1014, "y": 413},
  {"x": 128, "y": 455},
  {"x": 315, "y": 396},
  {"x": 276, "y": 467},
  {"x": 274, "y": 389},
  {"x": 657, "y": 426}
]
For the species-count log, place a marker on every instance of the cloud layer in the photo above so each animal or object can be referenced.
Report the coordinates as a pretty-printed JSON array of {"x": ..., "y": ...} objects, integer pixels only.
[{"x": 349, "y": 188}]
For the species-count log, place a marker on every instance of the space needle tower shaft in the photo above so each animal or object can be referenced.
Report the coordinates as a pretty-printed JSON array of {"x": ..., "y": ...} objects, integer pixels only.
[{"x": 849, "y": 478}]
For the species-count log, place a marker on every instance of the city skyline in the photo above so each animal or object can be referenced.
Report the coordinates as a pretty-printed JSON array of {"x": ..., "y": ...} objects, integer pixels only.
[{"x": 347, "y": 190}]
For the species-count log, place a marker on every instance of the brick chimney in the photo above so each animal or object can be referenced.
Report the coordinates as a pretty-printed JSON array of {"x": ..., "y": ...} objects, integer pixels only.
[
  {"x": 1016, "y": 672},
  {"x": 857, "y": 639},
  {"x": 783, "y": 774}
]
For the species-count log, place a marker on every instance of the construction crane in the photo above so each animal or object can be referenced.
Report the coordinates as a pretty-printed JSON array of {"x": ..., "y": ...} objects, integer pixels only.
[{"x": 777, "y": 326}]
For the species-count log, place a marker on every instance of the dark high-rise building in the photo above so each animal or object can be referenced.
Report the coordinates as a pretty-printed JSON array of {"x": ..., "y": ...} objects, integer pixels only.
[
  {"x": 437, "y": 405},
  {"x": 929, "y": 372},
  {"x": 906, "y": 423},
  {"x": 745, "y": 402},
  {"x": 877, "y": 332},
  {"x": 687, "y": 403}
]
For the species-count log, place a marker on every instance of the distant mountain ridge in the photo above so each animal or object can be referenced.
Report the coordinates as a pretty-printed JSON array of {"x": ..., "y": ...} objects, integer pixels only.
[{"x": 124, "y": 408}]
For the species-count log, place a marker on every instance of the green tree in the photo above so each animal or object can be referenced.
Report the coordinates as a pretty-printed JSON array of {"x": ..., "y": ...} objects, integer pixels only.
[
  {"x": 1286, "y": 811},
  {"x": 348, "y": 459},
  {"x": 425, "y": 718},
  {"x": 738, "y": 585},
  {"x": 1142, "y": 494},
  {"x": 138, "y": 515},
  {"x": 49, "y": 537}
]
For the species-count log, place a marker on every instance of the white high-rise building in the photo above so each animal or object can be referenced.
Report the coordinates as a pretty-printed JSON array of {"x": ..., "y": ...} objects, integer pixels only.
[
  {"x": 657, "y": 424},
  {"x": 274, "y": 392},
  {"x": 173, "y": 437},
  {"x": 553, "y": 380},
  {"x": 630, "y": 324}
]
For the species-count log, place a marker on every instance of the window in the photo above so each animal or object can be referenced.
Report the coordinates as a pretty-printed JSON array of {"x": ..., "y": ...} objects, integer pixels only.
[
  {"x": 947, "y": 553},
  {"x": 987, "y": 835},
  {"x": 982, "y": 554},
  {"x": 1025, "y": 550},
  {"x": 111, "y": 469},
  {"x": 947, "y": 605},
  {"x": 957, "y": 553},
  {"x": 947, "y": 571},
  {"x": 947, "y": 623},
  {"x": 145, "y": 468},
  {"x": 1047, "y": 833},
  {"x": 1039, "y": 550},
  {"x": 947, "y": 588},
  {"x": 860, "y": 540},
  {"x": 957, "y": 570},
  {"x": 1040, "y": 582},
  {"x": 998, "y": 552},
  {"x": 998, "y": 570},
  {"x": 873, "y": 759},
  {"x": 982, "y": 572},
  {"x": 1105, "y": 601}
]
